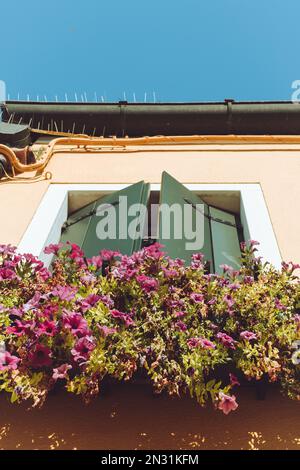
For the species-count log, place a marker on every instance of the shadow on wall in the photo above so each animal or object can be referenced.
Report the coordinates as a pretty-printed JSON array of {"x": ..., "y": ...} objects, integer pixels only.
[{"x": 129, "y": 417}]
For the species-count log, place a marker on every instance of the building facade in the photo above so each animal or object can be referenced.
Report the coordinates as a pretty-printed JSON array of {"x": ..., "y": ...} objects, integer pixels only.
[{"x": 242, "y": 162}]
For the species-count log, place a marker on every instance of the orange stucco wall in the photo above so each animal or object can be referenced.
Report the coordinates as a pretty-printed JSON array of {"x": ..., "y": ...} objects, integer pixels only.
[
  {"x": 129, "y": 417},
  {"x": 275, "y": 166}
]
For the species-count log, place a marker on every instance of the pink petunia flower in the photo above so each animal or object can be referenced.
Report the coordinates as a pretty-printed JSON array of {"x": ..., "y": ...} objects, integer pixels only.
[
  {"x": 90, "y": 301},
  {"x": 248, "y": 335},
  {"x": 122, "y": 316},
  {"x": 47, "y": 328},
  {"x": 148, "y": 284},
  {"x": 40, "y": 356},
  {"x": 226, "y": 268},
  {"x": 253, "y": 243},
  {"x": 206, "y": 344},
  {"x": 181, "y": 326},
  {"x": 108, "y": 255},
  {"x": 179, "y": 314},
  {"x": 106, "y": 331},
  {"x": 53, "y": 249},
  {"x": 75, "y": 323},
  {"x": 8, "y": 362},
  {"x": 170, "y": 273},
  {"x": 229, "y": 300},
  {"x": 21, "y": 328},
  {"x": 64, "y": 292},
  {"x": 197, "y": 298},
  {"x": 83, "y": 348},
  {"x": 297, "y": 321},
  {"x": 227, "y": 403},
  {"x": 226, "y": 340},
  {"x": 202, "y": 342},
  {"x": 233, "y": 380},
  {"x": 61, "y": 372},
  {"x": 279, "y": 305},
  {"x": 95, "y": 261},
  {"x": 7, "y": 274}
]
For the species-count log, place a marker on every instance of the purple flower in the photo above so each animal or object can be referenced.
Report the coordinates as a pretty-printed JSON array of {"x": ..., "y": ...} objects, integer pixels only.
[
  {"x": 40, "y": 356},
  {"x": 122, "y": 316},
  {"x": 226, "y": 268},
  {"x": 7, "y": 249},
  {"x": 234, "y": 286},
  {"x": 248, "y": 335},
  {"x": 279, "y": 305},
  {"x": 179, "y": 314},
  {"x": 64, "y": 292},
  {"x": 297, "y": 320},
  {"x": 233, "y": 380},
  {"x": 44, "y": 274},
  {"x": 106, "y": 331},
  {"x": 89, "y": 301},
  {"x": 8, "y": 362},
  {"x": 226, "y": 340},
  {"x": 173, "y": 303},
  {"x": 47, "y": 328},
  {"x": 61, "y": 372},
  {"x": 7, "y": 274},
  {"x": 53, "y": 249},
  {"x": 181, "y": 326},
  {"x": 75, "y": 323},
  {"x": 108, "y": 255},
  {"x": 148, "y": 284},
  {"x": 229, "y": 300},
  {"x": 87, "y": 278},
  {"x": 206, "y": 344},
  {"x": 197, "y": 261},
  {"x": 203, "y": 342},
  {"x": 197, "y": 298},
  {"x": 227, "y": 403},
  {"x": 21, "y": 328},
  {"x": 154, "y": 251},
  {"x": 83, "y": 348},
  {"x": 170, "y": 273},
  {"x": 95, "y": 261},
  {"x": 33, "y": 302}
]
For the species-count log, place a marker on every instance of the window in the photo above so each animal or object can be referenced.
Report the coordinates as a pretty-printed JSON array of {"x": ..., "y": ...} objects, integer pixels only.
[
  {"x": 242, "y": 203},
  {"x": 178, "y": 225}
]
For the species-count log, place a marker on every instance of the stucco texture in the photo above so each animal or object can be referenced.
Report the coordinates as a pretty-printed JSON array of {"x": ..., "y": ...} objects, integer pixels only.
[
  {"x": 129, "y": 417},
  {"x": 275, "y": 167}
]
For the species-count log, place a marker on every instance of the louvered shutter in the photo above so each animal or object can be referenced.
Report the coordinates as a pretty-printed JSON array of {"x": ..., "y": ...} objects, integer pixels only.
[
  {"x": 81, "y": 227},
  {"x": 219, "y": 228},
  {"x": 173, "y": 192}
]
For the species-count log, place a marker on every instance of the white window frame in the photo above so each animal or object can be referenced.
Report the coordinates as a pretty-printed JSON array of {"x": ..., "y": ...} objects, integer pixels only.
[{"x": 45, "y": 227}]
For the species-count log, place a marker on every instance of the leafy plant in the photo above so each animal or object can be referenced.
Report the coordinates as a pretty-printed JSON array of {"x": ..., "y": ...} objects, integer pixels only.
[{"x": 189, "y": 331}]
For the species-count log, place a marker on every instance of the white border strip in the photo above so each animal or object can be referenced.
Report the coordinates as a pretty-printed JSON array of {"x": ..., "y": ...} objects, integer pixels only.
[{"x": 45, "y": 227}]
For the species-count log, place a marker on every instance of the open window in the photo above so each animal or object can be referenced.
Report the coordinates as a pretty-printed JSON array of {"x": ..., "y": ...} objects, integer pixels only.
[
  {"x": 81, "y": 226},
  {"x": 218, "y": 232}
]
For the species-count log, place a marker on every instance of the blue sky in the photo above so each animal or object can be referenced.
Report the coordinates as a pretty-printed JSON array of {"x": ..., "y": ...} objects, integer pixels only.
[{"x": 183, "y": 50}]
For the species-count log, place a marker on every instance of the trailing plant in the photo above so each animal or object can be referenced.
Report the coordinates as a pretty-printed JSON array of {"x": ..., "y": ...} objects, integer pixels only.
[{"x": 112, "y": 316}]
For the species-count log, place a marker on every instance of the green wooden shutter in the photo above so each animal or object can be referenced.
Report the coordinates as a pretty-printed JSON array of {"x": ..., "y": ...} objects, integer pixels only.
[
  {"x": 84, "y": 232},
  {"x": 221, "y": 236},
  {"x": 225, "y": 239},
  {"x": 173, "y": 192}
]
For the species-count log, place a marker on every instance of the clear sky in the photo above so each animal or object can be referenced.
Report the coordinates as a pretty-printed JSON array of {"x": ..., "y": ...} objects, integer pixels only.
[{"x": 183, "y": 50}]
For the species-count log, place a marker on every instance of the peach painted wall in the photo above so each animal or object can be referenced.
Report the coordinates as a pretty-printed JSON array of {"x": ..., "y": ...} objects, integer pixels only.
[{"x": 275, "y": 166}]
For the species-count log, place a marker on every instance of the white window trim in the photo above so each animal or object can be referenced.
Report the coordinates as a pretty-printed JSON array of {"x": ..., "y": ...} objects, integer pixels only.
[{"x": 45, "y": 227}]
